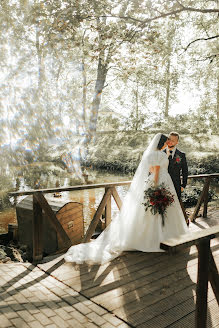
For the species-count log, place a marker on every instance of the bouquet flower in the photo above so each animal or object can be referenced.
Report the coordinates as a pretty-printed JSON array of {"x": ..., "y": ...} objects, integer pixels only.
[{"x": 157, "y": 199}]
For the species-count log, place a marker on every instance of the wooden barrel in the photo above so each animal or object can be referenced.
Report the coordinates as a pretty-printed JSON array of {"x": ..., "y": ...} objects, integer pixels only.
[{"x": 69, "y": 214}]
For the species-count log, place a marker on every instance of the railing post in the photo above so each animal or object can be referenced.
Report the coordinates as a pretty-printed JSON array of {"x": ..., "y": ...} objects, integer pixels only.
[
  {"x": 108, "y": 212},
  {"x": 116, "y": 198},
  {"x": 201, "y": 199},
  {"x": 214, "y": 276},
  {"x": 97, "y": 216},
  {"x": 205, "y": 210},
  {"x": 202, "y": 284},
  {"x": 37, "y": 231}
]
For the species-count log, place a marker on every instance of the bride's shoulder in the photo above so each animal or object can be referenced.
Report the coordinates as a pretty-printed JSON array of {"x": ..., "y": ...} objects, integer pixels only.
[
  {"x": 154, "y": 157},
  {"x": 163, "y": 154}
]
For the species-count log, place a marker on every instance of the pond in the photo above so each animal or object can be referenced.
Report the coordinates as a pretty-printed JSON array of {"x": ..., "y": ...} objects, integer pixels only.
[
  {"x": 47, "y": 175},
  {"x": 90, "y": 199}
]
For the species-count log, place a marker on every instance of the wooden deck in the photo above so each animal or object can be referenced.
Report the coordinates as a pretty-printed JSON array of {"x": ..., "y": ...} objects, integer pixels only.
[{"x": 153, "y": 290}]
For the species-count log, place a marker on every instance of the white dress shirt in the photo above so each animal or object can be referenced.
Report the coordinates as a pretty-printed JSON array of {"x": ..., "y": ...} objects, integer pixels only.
[{"x": 168, "y": 151}]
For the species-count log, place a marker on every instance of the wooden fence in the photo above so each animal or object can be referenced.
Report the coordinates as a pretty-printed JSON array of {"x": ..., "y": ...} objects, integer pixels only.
[
  {"x": 40, "y": 204},
  {"x": 207, "y": 269}
]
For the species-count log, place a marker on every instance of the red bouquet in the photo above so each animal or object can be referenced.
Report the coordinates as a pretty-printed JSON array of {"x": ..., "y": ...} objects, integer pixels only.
[{"x": 158, "y": 199}]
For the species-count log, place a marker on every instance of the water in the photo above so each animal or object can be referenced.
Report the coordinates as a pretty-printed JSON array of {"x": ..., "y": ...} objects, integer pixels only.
[
  {"x": 47, "y": 175},
  {"x": 50, "y": 179}
]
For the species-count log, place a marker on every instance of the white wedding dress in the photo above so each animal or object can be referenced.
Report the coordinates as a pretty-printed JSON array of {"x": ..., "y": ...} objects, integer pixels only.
[{"x": 134, "y": 228}]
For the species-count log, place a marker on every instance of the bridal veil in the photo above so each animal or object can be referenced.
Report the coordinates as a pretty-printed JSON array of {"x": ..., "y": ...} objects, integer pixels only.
[{"x": 118, "y": 236}]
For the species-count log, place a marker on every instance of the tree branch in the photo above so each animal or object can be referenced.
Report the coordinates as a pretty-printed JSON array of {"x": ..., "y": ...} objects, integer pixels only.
[
  {"x": 201, "y": 39},
  {"x": 211, "y": 58},
  {"x": 162, "y": 15}
]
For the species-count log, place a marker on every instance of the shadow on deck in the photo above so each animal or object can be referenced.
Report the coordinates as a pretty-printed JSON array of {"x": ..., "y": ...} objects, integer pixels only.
[{"x": 143, "y": 289}]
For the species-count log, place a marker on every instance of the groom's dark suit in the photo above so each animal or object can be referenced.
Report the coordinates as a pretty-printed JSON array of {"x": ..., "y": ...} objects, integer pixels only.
[{"x": 177, "y": 168}]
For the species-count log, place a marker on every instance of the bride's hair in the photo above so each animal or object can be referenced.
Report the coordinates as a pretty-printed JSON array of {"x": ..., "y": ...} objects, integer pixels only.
[{"x": 162, "y": 141}]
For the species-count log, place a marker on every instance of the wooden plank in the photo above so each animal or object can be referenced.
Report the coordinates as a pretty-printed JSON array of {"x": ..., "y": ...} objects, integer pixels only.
[
  {"x": 159, "y": 301},
  {"x": 72, "y": 229},
  {"x": 37, "y": 231},
  {"x": 198, "y": 176},
  {"x": 172, "y": 302},
  {"x": 124, "y": 264},
  {"x": 188, "y": 240},
  {"x": 158, "y": 285},
  {"x": 148, "y": 288},
  {"x": 165, "y": 290},
  {"x": 200, "y": 201},
  {"x": 202, "y": 284},
  {"x": 171, "y": 316},
  {"x": 76, "y": 222},
  {"x": 212, "y": 319},
  {"x": 108, "y": 212},
  {"x": 142, "y": 275},
  {"x": 97, "y": 216},
  {"x": 69, "y": 206},
  {"x": 52, "y": 217},
  {"x": 116, "y": 198},
  {"x": 73, "y": 212},
  {"x": 71, "y": 188},
  {"x": 214, "y": 276},
  {"x": 70, "y": 214},
  {"x": 205, "y": 210},
  {"x": 94, "y": 186},
  {"x": 155, "y": 301}
]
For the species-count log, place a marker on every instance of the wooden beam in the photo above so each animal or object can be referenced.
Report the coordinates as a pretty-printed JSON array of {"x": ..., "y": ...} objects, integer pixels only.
[
  {"x": 214, "y": 276},
  {"x": 200, "y": 176},
  {"x": 200, "y": 201},
  {"x": 71, "y": 188},
  {"x": 53, "y": 219},
  {"x": 205, "y": 210},
  {"x": 37, "y": 231},
  {"x": 207, "y": 269},
  {"x": 94, "y": 186},
  {"x": 190, "y": 239},
  {"x": 202, "y": 284},
  {"x": 117, "y": 198},
  {"x": 108, "y": 211},
  {"x": 97, "y": 216}
]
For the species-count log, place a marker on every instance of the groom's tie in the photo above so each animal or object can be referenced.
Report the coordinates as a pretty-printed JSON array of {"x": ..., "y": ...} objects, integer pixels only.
[{"x": 170, "y": 155}]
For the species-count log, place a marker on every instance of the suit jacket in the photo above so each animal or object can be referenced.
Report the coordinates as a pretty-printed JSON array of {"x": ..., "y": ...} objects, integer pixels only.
[{"x": 178, "y": 170}]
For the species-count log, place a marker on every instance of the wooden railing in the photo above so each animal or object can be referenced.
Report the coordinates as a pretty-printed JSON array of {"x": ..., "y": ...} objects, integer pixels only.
[
  {"x": 204, "y": 194},
  {"x": 207, "y": 269},
  {"x": 40, "y": 203}
]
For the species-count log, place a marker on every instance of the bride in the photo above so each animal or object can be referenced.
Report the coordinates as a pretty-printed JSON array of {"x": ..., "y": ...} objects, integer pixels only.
[{"x": 134, "y": 228}]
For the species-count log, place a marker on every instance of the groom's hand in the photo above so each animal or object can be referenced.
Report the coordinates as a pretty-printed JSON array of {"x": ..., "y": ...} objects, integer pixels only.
[{"x": 182, "y": 189}]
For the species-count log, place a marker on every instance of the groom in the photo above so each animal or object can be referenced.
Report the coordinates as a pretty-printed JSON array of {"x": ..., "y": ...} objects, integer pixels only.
[{"x": 177, "y": 164}]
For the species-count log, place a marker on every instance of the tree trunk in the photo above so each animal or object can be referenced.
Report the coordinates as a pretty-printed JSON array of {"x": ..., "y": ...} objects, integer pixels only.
[
  {"x": 84, "y": 91},
  {"x": 167, "y": 100},
  {"x": 217, "y": 105},
  {"x": 137, "y": 107},
  {"x": 102, "y": 69},
  {"x": 40, "y": 60},
  {"x": 100, "y": 81},
  {"x": 84, "y": 97},
  {"x": 168, "y": 73}
]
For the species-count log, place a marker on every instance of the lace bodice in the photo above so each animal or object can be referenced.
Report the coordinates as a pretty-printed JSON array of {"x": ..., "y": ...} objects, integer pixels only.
[{"x": 159, "y": 158}]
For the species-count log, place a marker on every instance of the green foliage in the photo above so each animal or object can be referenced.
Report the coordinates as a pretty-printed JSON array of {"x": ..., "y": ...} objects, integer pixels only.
[
  {"x": 191, "y": 195},
  {"x": 122, "y": 151},
  {"x": 64, "y": 61},
  {"x": 6, "y": 185}
]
